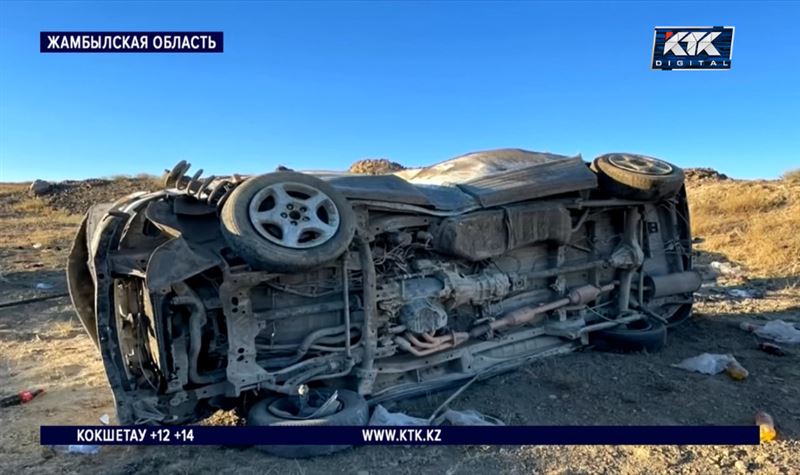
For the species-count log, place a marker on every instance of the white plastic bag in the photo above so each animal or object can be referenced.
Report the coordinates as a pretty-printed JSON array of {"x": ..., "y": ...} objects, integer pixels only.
[
  {"x": 707, "y": 363},
  {"x": 470, "y": 417},
  {"x": 77, "y": 449},
  {"x": 779, "y": 331},
  {"x": 725, "y": 268},
  {"x": 382, "y": 417}
]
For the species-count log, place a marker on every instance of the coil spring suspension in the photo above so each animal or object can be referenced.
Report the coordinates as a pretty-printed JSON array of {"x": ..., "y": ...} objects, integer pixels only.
[{"x": 203, "y": 189}]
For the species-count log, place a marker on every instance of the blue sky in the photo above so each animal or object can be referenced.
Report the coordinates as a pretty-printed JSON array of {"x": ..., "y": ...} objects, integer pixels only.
[{"x": 319, "y": 85}]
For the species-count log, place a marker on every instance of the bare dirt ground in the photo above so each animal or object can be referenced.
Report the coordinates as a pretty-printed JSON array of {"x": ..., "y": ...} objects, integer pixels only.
[{"x": 42, "y": 344}]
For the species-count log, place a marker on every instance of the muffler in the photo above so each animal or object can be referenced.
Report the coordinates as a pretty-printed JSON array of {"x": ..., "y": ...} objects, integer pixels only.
[{"x": 672, "y": 284}]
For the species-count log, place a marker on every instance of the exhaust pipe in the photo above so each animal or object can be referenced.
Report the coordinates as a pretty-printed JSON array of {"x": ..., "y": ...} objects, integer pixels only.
[{"x": 672, "y": 284}]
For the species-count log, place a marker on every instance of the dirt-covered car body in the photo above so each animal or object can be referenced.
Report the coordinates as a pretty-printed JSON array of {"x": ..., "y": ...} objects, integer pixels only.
[{"x": 216, "y": 291}]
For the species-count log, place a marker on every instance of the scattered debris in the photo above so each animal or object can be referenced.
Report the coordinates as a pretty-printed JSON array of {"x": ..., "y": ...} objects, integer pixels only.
[
  {"x": 706, "y": 363},
  {"x": 450, "y": 399},
  {"x": 727, "y": 269},
  {"x": 748, "y": 326},
  {"x": 43, "y": 286},
  {"x": 736, "y": 371},
  {"x": 745, "y": 293},
  {"x": 77, "y": 449},
  {"x": 20, "y": 398},
  {"x": 105, "y": 420},
  {"x": 40, "y": 187},
  {"x": 771, "y": 348},
  {"x": 382, "y": 417},
  {"x": 470, "y": 417},
  {"x": 710, "y": 363},
  {"x": 37, "y": 245},
  {"x": 766, "y": 426},
  {"x": 779, "y": 331},
  {"x": 33, "y": 299},
  {"x": 707, "y": 273}
]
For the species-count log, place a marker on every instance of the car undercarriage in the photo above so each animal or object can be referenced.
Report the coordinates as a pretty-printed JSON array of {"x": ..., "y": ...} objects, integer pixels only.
[{"x": 218, "y": 292}]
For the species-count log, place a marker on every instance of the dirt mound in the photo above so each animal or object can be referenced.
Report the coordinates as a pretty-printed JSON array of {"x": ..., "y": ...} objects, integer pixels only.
[
  {"x": 76, "y": 196},
  {"x": 694, "y": 175},
  {"x": 375, "y": 166}
]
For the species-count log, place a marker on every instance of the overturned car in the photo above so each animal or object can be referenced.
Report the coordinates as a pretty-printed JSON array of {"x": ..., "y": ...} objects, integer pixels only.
[{"x": 305, "y": 297}]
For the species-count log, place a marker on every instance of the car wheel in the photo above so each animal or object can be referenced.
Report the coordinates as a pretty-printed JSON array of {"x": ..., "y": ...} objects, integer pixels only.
[
  {"x": 277, "y": 411},
  {"x": 639, "y": 335},
  {"x": 681, "y": 315},
  {"x": 638, "y": 177},
  {"x": 287, "y": 221}
]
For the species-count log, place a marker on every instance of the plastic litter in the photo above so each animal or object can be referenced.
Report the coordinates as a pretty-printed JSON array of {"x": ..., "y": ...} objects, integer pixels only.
[
  {"x": 470, "y": 417},
  {"x": 766, "y": 426},
  {"x": 438, "y": 414},
  {"x": 771, "y": 348},
  {"x": 744, "y": 294},
  {"x": 724, "y": 268},
  {"x": 382, "y": 417},
  {"x": 711, "y": 363},
  {"x": 707, "y": 363},
  {"x": 779, "y": 331},
  {"x": 20, "y": 398},
  {"x": 77, "y": 449},
  {"x": 736, "y": 371},
  {"x": 105, "y": 420},
  {"x": 43, "y": 286},
  {"x": 748, "y": 327},
  {"x": 83, "y": 449}
]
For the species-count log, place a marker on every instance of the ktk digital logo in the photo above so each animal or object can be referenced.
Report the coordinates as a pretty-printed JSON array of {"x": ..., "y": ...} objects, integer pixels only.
[{"x": 692, "y": 48}]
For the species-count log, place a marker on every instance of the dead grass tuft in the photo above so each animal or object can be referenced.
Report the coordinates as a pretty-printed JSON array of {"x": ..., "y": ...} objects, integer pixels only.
[
  {"x": 36, "y": 206},
  {"x": 792, "y": 176},
  {"x": 63, "y": 329}
]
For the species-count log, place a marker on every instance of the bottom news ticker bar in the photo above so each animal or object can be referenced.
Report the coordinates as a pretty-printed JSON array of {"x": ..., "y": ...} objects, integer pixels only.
[{"x": 446, "y": 435}]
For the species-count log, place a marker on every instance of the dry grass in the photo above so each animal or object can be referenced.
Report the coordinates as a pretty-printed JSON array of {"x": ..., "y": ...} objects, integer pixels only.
[
  {"x": 754, "y": 223},
  {"x": 792, "y": 176},
  {"x": 62, "y": 329},
  {"x": 32, "y": 230},
  {"x": 8, "y": 190}
]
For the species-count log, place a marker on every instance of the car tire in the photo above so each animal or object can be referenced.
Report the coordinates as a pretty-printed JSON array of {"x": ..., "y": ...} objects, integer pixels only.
[
  {"x": 354, "y": 412},
  {"x": 638, "y": 177},
  {"x": 267, "y": 247},
  {"x": 681, "y": 315},
  {"x": 640, "y": 335}
]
